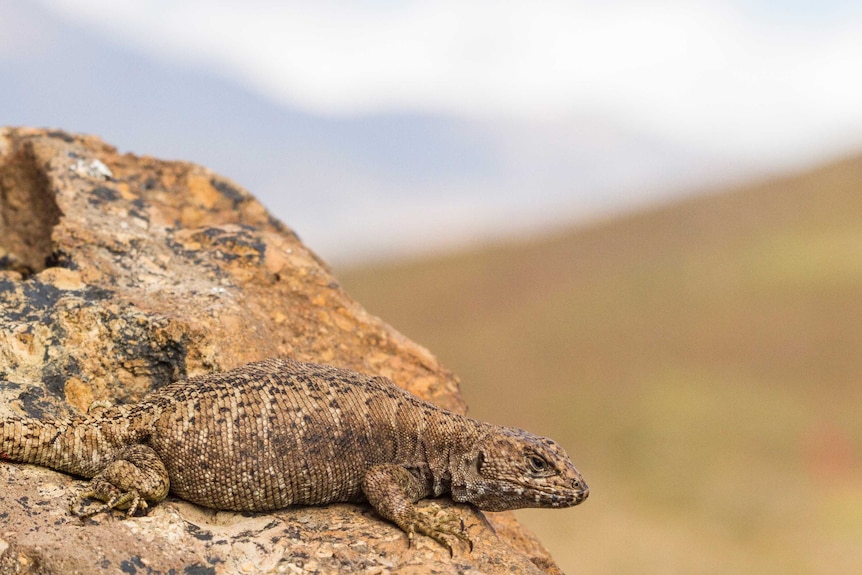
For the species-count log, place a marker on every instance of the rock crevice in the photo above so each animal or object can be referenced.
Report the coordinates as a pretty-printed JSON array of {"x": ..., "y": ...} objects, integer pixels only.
[{"x": 28, "y": 214}]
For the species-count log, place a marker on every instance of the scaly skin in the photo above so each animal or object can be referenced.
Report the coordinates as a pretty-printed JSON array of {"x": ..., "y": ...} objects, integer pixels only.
[{"x": 279, "y": 432}]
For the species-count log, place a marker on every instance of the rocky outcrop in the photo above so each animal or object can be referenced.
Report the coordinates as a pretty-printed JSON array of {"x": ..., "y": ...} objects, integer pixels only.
[{"x": 119, "y": 274}]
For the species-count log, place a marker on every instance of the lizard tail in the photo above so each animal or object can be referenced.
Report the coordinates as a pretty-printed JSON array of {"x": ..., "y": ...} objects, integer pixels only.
[{"x": 27, "y": 440}]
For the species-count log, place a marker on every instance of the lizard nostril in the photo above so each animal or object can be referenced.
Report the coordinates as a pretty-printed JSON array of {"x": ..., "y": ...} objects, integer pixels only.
[{"x": 581, "y": 486}]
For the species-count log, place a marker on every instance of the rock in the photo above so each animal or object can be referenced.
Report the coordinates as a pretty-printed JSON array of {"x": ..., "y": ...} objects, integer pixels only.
[{"x": 120, "y": 274}]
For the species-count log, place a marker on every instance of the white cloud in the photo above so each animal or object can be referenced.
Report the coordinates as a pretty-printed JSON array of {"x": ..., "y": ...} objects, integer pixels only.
[
  {"x": 704, "y": 73},
  {"x": 21, "y": 35}
]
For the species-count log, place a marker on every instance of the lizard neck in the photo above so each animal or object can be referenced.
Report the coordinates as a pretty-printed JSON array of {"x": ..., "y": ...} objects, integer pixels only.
[
  {"x": 465, "y": 461},
  {"x": 449, "y": 443}
]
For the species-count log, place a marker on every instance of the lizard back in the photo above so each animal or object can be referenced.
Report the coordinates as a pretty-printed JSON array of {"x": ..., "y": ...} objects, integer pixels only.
[{"x": 279, "y": 432}]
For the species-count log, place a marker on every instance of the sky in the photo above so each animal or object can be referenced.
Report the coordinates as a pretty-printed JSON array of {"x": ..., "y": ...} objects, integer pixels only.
[
  {"x": 493, "y": 110},
  {"x": 773, "y": 78}
]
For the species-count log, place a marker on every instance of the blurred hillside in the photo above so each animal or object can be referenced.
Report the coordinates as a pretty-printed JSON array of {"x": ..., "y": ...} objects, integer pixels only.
[{"x": 701, "y": 362}]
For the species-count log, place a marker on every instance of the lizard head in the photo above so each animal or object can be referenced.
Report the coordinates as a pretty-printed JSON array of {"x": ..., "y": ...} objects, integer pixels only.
[{"x": 509, "y": 469}]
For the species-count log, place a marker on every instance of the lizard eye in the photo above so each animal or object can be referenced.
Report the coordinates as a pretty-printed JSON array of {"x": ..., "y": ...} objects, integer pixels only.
[{"x": 537, "y": 464}]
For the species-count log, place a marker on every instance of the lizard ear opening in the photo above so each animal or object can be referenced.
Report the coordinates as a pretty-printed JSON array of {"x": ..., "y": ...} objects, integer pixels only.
[
  {"x": 475, "y": 465},
  {"x": 466, "y": 477}
]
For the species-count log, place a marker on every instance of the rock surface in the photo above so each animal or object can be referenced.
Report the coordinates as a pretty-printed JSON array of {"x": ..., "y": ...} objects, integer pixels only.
[{"x": 120, "y": 274}]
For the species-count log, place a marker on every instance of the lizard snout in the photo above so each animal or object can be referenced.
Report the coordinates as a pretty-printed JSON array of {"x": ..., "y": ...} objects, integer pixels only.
[{"x": 582, "y": 489}]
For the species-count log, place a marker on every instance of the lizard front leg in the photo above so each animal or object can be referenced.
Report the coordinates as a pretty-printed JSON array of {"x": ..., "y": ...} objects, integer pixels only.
[
  {"x": 393, "y": 492},
  {"x": 134, "y": 478}
]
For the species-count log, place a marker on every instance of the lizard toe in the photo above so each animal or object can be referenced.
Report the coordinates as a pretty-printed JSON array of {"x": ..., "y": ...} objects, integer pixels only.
[
  {"x": 442, "y": 525},
  {"x": 111, "y": 498}
]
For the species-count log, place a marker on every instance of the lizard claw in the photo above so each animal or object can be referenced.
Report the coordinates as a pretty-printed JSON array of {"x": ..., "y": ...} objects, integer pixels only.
[
  {"x": 111, "y": 498},
  {"x": 99, "y": 404},
  {"x": 466, "y": 537}
]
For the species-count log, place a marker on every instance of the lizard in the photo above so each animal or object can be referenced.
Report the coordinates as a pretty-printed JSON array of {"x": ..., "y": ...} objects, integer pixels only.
[{"x": 280, "y": 432}]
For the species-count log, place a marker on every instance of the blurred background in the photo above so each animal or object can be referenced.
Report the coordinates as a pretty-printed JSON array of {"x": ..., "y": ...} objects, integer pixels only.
[{"x": 635, "y": 227}]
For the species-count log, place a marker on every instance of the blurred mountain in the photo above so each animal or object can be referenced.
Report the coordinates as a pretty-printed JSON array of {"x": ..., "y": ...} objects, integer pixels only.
[
  {"x": 354, "y": 188},
  {"x": 699, "y": 360}
]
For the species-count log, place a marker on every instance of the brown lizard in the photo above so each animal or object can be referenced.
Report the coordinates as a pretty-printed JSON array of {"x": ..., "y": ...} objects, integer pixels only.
[{"x": 279, "y": 432}]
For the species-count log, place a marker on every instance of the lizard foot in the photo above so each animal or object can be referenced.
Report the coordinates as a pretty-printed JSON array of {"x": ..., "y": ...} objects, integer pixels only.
[
  {"x": 437, "y": 523},
  {"x": 111, "y": 498},
  {"x": 393, "y": 492},
  {"x": 99, "y": 404},
  {"x": 136, "y": 477}
]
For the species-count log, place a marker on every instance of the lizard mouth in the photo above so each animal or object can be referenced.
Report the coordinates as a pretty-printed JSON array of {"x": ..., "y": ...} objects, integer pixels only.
[{"x": 557, "y": 496}]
